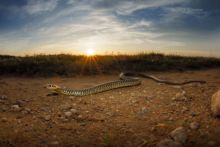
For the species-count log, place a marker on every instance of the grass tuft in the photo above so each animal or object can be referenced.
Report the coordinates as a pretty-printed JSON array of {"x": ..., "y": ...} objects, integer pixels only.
[{"x": 70, "y": 65}]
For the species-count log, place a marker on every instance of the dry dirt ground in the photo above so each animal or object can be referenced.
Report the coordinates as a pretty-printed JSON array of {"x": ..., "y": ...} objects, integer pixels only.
[{"x": 135, "y": 116}]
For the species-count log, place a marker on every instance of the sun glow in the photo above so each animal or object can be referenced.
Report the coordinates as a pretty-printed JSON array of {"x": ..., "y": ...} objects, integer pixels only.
[{"x": 90, "y": 52}]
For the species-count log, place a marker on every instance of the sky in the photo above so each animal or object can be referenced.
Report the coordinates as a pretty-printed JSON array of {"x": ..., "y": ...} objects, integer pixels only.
[{"x": 186, "y": 27}]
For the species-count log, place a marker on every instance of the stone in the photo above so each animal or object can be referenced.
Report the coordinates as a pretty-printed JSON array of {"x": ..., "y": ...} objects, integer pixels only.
[
  {"x": 54, "y": 143},
  {"x": 193, "y": 114},
  {"x": 3, "y": 97},
  {"x": 184, "y": 109},
  {"x": 132, "y": 94},
  {"x": 47, "y": 117},
  {"x": 180, "y": 96},
  {"x": 26, "y": 111},
  {"x": 168, "y": 143},
  {"x": 215, "y": 104},
  {"x": 194, "y": 125},
  {"x": 68, "y": 114},
  {"x": 4, "y": 119},
  {"x": 80, "y": 117},
  {"x": 179, "y": 135},
  {"x": 16, "y": 108},
  {"x": 74, "y": 111}
]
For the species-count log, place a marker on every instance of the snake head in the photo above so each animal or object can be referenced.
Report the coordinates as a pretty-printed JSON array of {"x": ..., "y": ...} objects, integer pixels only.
[{"x": 52, "y": 87}]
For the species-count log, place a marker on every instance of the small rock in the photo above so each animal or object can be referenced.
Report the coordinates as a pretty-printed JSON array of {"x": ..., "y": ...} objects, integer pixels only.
[
  {"x": 179, "y": 135},
  {"x": 16, "y": 108},
  {"x": 3, "y": 97},
  {"x": 54, "y": 143},
  {"x": 193, "y": 114},
  {"x": 168, "y": 143},
  {"x": 111, "y": 97},
  {"x": 215, "y": 104},
  {"x": 66, "y": 107},
  {"x": 180, "y": 97},
  {"x": 68, "y": 114},
  {"x": 63, "y": 119},
  {"x": 171, "y": 119},
  {"x": 47, "y": 117},
  {"x": 177, "y": 87},
  {"x": 132, "y": 94},
  {"x": 80, "y": 116},
  {"x": 26, "y": 111},
  {"x": 74, "y": 111},
  {"x": 4, "y": 119},
  {"x": 184, "y": 109},
  {"x": 194, "y": 125}
]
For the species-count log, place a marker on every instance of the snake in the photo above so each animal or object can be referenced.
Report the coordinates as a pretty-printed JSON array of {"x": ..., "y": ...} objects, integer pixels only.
[{"x": 127, "y": 79}]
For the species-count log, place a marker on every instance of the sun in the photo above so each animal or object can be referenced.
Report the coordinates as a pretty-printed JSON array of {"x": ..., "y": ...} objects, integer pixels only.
[{"x": 90, "y": 52}]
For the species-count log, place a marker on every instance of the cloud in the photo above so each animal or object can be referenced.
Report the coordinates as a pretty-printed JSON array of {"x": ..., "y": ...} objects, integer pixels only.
[
  {"x": 40, "y": 6},
  {"x": 125, "y": 7},
  {"x": 74, "y": 25}
]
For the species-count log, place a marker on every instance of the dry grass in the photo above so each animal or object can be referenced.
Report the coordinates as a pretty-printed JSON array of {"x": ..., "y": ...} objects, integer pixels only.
[{"x": 69, "y": 65}]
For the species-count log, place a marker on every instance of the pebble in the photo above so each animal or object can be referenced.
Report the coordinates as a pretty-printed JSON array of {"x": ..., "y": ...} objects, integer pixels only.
[
  {"x": 132, "y": 94},
  {"x": 47, "y": 117},
  {"x": 4, "y": 119},
  {"x": 180, "y": 97},
  {"x": 215, "y": 104},
  {"x": 179, "y": 135},
  {"x": 111, "y": 97},
  {"x": 184, "y": 109},
  {"x": 16, "y": 108},
  {"x": 26, "y": 111},
  {"x": 3, "y": 97},
  {"x": 193, "y": 114},
  {"x": 74, "y": 111},
  {"x": 80, "y": 116},
  {"x": 177, "y": 87},
  {"x": 168, "y": 143},
  {"x": 63, "y": 119},
  {"x": 54, "y": 143},
  {"x": 68, "y": 114},
  {"x": 194, "y": 125}
]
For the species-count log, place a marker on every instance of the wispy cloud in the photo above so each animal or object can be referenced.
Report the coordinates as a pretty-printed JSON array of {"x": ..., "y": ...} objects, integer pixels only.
[
  {"x": 40, "y": 6},
  {"x": 74, "y": 25}
]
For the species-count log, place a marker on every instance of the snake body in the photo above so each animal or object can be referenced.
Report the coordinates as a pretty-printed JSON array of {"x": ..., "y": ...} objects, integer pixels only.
[{"x": 126, "y": 79}]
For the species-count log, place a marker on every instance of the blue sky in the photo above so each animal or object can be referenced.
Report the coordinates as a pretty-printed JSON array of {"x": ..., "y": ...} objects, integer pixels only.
[{"x": 189, "y": 27}]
